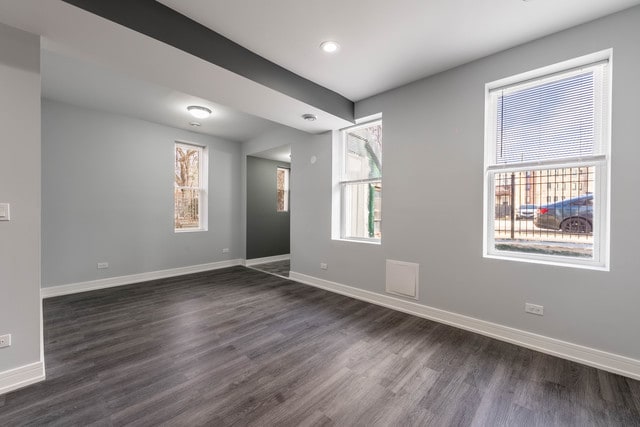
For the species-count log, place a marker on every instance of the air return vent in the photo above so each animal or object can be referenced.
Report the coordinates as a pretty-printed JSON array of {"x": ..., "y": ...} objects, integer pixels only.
[{"x": 402, "y": 278}]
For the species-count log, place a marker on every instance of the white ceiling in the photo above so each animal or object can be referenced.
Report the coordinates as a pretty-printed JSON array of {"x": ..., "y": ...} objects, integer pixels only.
[
  {"x": 385, "y": 44},
  {"x": 93, "y": 62},
  {"x": 149, "y": 71},
  {"x": 87, "y": 84},
  {"x": 280, "y": 154}
]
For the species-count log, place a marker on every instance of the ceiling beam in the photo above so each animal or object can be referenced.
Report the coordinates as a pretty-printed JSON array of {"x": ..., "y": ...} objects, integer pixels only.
[{"x": 164, "y": 24}]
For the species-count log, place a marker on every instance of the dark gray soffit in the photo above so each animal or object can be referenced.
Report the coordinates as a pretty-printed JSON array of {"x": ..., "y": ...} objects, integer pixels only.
[{"x": 162, "y": 23}]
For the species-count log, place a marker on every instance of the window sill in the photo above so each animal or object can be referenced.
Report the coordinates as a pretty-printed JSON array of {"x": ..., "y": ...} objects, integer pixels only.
[
  {"x": 365, "y": 241},
  {"x": 547, "y": 261},
  {"x": 188, "y": 230}
]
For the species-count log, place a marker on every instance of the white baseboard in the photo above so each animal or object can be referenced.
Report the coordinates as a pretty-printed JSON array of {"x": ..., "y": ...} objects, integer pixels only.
[
  {"x": 588, "y": 356},
  {"x": 110, "y": 282},
  {"x": 255, "y": 261},
  {"x": 22, "y": 376}
]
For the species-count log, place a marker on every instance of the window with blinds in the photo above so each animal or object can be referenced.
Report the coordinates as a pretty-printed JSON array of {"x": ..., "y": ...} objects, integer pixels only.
[{"x": 547, "y": 163}]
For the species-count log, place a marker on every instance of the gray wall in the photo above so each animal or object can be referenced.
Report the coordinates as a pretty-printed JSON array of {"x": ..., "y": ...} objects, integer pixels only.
[
  {"x": 20, "y": 186},
  {"x": 267, "y": 229},
  {"x": 433, "y": 158},
  {"x": 107, "y": 196}
]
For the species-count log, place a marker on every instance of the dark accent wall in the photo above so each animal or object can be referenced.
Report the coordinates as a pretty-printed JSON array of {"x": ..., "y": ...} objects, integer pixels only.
[{"x": 267, "y": 229}]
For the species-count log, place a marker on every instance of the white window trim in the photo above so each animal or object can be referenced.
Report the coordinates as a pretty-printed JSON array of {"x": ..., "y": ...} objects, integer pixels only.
[
  {"x": 601, "y": 160},
  {"x": 286, "y": 189},
  {"x": 203, "y": 204},
  {"x": 338, "y": 220}
]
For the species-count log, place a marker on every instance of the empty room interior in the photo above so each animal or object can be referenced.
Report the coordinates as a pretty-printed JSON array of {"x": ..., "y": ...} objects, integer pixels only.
[{"x": 319, "y": 213}]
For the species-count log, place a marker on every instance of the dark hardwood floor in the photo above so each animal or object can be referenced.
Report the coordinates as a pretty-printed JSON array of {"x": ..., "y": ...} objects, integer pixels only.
[
  {"x": 279, "y": 268},
  {"x": 241, "y": 347}
]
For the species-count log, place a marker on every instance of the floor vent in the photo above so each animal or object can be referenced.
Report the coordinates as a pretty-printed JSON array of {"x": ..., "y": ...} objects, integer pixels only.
[{"x": 402, "y": 278}]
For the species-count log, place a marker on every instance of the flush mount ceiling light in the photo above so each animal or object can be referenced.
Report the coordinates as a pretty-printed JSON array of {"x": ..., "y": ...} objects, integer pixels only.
[
  {"x": 329, "y": 46},
  {"x": 309, "y": 117},
  {"x": 198, "y": 111}
]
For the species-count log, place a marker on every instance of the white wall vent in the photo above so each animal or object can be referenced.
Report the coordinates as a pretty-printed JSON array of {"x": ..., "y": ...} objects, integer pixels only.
[{"x": 402, "y": 278}]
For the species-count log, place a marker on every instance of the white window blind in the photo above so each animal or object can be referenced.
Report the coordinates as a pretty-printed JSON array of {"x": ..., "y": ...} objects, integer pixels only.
[{"x": 551, "y": 118}]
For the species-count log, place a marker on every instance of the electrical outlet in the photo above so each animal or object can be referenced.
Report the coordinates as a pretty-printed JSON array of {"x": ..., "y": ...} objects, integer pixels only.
[
  {"x": 323, "y": 266},
  {"x": 102, "y": 265},
  {"x": 225, "y": 250},
  {"x": 4, "y": 212},
  {"x": 534, "y": 309},
  {"x": 5, "y": 340}
]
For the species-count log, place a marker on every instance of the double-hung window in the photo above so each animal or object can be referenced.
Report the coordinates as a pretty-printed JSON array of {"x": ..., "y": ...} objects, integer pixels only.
[
  {"x": 359, "y": 162},
  {"x": 547, "y": 164},
  {"x": 282, "y": 189},
  {"x": 190, "y": 191}
]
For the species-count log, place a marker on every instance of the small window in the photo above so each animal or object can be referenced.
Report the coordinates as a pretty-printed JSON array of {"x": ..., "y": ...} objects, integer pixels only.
[
  {"x": 282, "y": 183},
  {"x": 547, "y": 142},
  {"x": 190, "y": 195},
  {"x": 359, "y": 181}
]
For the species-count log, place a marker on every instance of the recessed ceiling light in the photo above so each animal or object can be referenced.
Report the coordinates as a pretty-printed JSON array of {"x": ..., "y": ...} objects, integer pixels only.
[
  {"x": 329, "y": 46},
  {"x": 309, "y": 117},
  {"x": 195, "y": 124},
  {"x": 198, "y": 111}
]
